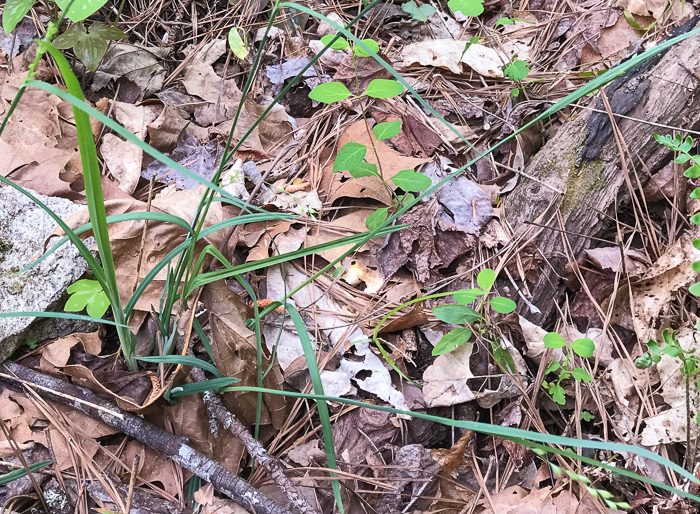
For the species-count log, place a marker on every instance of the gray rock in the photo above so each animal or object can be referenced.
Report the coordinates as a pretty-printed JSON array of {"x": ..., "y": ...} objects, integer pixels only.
[{"x": 24, "y": 226}]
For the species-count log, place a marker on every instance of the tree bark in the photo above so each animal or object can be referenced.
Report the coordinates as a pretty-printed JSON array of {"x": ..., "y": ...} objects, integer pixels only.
[{"x": 668, "y": 94}]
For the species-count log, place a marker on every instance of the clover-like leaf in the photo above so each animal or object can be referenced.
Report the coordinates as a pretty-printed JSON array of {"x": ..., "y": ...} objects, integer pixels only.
[
  {"x": 330, "y": 92},
  {"x": 339, "y": 44},
  {"x": 467, "y": 7},
  {"x": 387, "y": 130},
  {"x": 581, "y": 375},
  {"x": 586, "y": 416},
  {"x": 517, "y": 70},
  {"x": 558, "y": 394},
  {"x": 452, "y": 340},
  {"x": 554, "y": 340},
  {"x": 384, "y": 88},
  {"x": 456, "y": 314},
  {"x": 411, "y": 181},
  {"x": 87, "y": 293},
  {"x": 502, "y": 305},
  {"x": 420, "y": 13},
  {"x": 583, "y": 347}
]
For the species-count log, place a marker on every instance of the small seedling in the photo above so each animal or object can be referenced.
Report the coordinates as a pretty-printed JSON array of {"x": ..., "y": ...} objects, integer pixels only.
[
  {"x": 89, "y": 45},
  {"x": 583, "y": 347},
  {"x": 420, "y": 13},
  {"x": 238, "y": 44},
  {"x": 461, "y": 314},
  {"x": 351, "y": 157},
  {"x": 87, "y": 293}
]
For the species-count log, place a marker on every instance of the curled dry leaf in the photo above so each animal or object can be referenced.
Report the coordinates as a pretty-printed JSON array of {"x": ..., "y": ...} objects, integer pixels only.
[
  {"x": 445, "y": 381},
  {"x": 450, "y": 54}
]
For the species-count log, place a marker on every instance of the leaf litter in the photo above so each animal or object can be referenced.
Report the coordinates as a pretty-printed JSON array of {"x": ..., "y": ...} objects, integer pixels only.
[{"x": 396, "y": 464}]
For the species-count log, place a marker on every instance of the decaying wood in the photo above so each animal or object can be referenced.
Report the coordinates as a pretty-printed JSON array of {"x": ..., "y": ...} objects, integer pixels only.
[
  {"x": 174, "y": 447},
  {"x": 671, "y": 99}
]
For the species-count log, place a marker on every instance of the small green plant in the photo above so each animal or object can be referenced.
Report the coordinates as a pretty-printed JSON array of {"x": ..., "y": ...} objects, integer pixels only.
[
  {"x": 89, "y": 45},
  {"x": 583, "y": 347},
  {"x": 351, "y": 157},
  {"x": 461, "y": 314},
  {"x": 87, "y": 293},
  {"x": 418, "y": 12},
  {"x": 517, "y": 71},
  {"x": 238, "y": 44},
  {"x": 689, "y": 369}
]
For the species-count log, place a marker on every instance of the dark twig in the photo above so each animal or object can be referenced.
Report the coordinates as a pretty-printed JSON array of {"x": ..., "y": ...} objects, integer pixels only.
[{"x": 175, "y": 447}]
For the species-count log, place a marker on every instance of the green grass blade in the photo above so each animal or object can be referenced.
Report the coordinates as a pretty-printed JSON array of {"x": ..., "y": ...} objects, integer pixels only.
[
  {"x": 116, "y": 218},
  {"x": 185, "y": 360},
  {"x": 200, "y": 387},
  {"x": 503, "y": 432},
  {"x": 324, "y": 416},
  {"x": 213, "y": 276},
  {"x": 19, "y": 473},
  {"x": 95, "y": 202},
  {"x": 61, "y": 315}
]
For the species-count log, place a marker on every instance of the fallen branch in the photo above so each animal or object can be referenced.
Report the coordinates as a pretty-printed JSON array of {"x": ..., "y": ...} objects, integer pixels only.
[{"x": 174, "y": 447}]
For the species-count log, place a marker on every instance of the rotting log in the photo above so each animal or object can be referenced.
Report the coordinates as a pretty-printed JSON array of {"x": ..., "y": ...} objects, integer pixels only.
[{"x": 670, "y": 97}]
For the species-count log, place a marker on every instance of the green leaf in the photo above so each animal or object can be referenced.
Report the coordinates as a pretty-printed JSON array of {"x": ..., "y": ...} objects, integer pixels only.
[
  {"x": 695, "y": 219},
  {"x": 90, "y": 49},
  {"x": 695, "y": 195},
  {"x": 387, "y": 130},
  {"x": 503, "y": 21},
  {"x": 581, "y": 375},
  {"x": 13, "y": 12},
  {"x": 467, "y": 296},
  {"x": 467, "y": 7},
  {"x": 330, "y": 92},
  {"x": 350, "y": 156},
  {"x": 693, "y": 171},
  {"x": 695, "y": 289},
  {"x": 87, "y": 293},
  {"x": 583, "y": 347},
  {"x": 184, "y": 360},
  {"x": 80, "y": 9},
  {"x": 383, "y": 88},
  {"x": 411, "y": 181},
  {"x": 421, "y": 13},
  {"x": 554, "y": 340},
  {"x": 200, "y": 387},
  {"x": 552, "y": 367},
  {"x": 456, "y": 314},
  {"x": 502, "y": 305},
  {"x": 452, "y": 340},
  {"x": 517, "y": 70},
  {"x": 70, "y": 36},
  {"x": 106, "y": 32},
  {"x": 364, "y": 169},
  {"x": 558, "y": 394},
  {"x": 16, "y": 474},
  {"x": 238, "y": 45},
  {"x": 586, "y": 416},
  {"x": 378, "y": 217},
  {"x": 485, "y": 279},
  {"x": 371, "y": 43},
  {"x": 696, "y": 266},
  {"x": 339, "y": 44}
]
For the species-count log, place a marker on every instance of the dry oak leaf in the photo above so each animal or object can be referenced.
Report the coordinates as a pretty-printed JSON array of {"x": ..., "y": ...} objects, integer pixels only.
[{"x": 342, "y": 184}]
